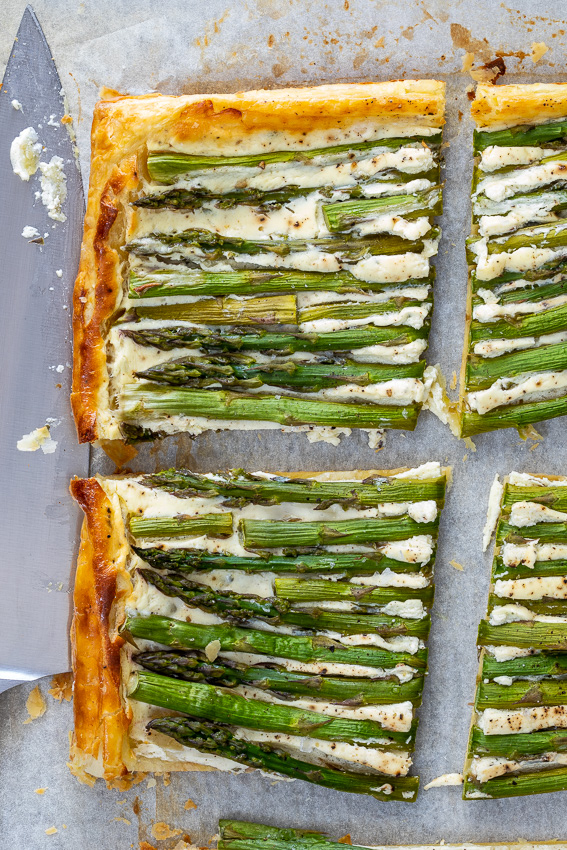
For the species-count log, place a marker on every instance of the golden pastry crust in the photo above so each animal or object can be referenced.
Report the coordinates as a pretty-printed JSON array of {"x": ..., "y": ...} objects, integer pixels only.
[
  {"x": 123, "y": 130},
  {"x": 100, "y": 745},
  {"x": 498, "y": 107}
]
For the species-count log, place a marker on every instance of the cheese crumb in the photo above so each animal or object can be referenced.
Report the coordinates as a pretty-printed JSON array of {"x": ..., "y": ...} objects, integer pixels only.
[
  {"x": 151, "y": 783},
  {"x": 445, "y": 779},
  {"x": 376, "y": 438},
  {"x": 468, "y": 62},
  {"x": 457, "y": 566},
  {"x": 161, "y": 831},
  {"x": 25, "y": 151},
  {"x": 35, "y": 705},
  {"x": 17, "y": 105},
  {"x": 539, "y": 49},
  {"x": 51, "y": 831},
  {"x": 59, "y": 272},
  {"x": 40, "y": 790},
  {"x": 189, "y": 804},
  {"x": 53, "y": 187},
  {"x": 212, "y": 649},
  {"x": 38, "y": 439},
  {"x": 30, "y": 232}
]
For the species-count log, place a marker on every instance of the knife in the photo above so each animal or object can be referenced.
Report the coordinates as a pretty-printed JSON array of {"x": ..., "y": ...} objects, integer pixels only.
[{"x": 39, "y": 524}]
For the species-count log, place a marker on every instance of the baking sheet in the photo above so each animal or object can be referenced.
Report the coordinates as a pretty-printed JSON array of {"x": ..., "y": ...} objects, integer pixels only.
[{"x": 179, "y": 46}]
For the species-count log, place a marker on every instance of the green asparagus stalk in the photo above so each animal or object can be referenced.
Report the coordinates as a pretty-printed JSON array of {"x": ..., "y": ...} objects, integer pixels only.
[
  {"x": 194, "y": 667},
  {"x": 482, "y": 372},
  {"x": 180, "y": 281},
  {"x": 521, "y": 694},
  {"x": 538, "y": 236},
  {"x": 268, "y": 843},
  {"x": 532, "y": 665},
  {"x": 536, "y": 324},
  {"x": 195, "y": 198},
  {"x": 545, "y": 532},
  {"x": 140, "y": 400},
  {"x": 239, "y": 609},
  {"x": 552, "y": 497},
  {"x": 272, "y": 534},
  {"x": 537, "y": 634},
  {"x": 537, "y": 135},
  {"x": 515, "y": 416},
  {"x": 518, "y": 746},
  {"x": 240, "y": 487},
  {"x": 557, "y": 265},
  {"x": 540, "y": 568},
  {"x": 208, "y": 702},
  {"x": 357, "y": 309},
  {"x": 235, "y": 830},
  {"x": 350, "y": 564},
  {"x": 218, "y": 740},
  {"x": 271, "y": 310},
  {"x": 165, "y": 166},
  {"x": 548, "y": 606},
  {"x": 520, "y": 784},
  {"x": 178, "y": 634},
  {"x": 533, "y": 292},
  {"x": 553, "y": 201},
  {"x": 348, "y": 214},
  {"x": 310, "y": 377},
  {"x": 214, "y": 246},
  {"x": 211, "y": 525},
  {"x": 315, "y": 590}
]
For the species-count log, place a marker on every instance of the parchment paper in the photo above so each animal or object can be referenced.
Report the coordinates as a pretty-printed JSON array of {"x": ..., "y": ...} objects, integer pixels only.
[{"x": 177, "y": 46}]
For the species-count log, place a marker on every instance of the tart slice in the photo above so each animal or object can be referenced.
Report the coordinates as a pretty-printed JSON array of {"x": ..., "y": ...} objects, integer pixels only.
[
  {"x": 515, "y": 361},
  {"x": 247, "y": 620},
  {"x": 258, "y": 260},
  {"x": 518, "y": 742}
]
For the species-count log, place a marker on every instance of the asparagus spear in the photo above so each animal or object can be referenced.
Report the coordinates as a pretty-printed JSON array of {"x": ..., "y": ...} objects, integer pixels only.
[
  {"x": 140, "y": 400},
  {"x": 194, "y": 667},
  {"x": 235, "y": 829},
  {"x": 550, "y": 200},
  {"x": 538, "y": 236},
  {"x": 544, "y": 531},
  {"x": 357, "y": 309},
  {"x": 314, "y": 590},
  {"x": 256, "y": 339},
  {"x": 482, "y": 372},
  {"x": 532, "y": 292},
  {"x": 548, "y": 606},
  {"x": 522, "y": 135},
  {"x": 211, "y": 525},
  {"x": 536, "y": 324},
  {"x": 218, "y": 740},
  {"x": 557, "y": 265},
  {"x": 515, "y": 416},
  {"x": 164, "y": 166},
  {"x": 273, "y": 534},
  {"x": 270, "y": 310},
  {"x": 213, "y": 246},
  {"x": 345, "y": 215},
  {"x": 521, "y": 694},
  {"x": 181, "y": 281},
  {"x": 271, "y": 843},
  {"x": 537, "y": 634},
  {"x": 236, "y": 608},
  {"x": 518, "y": 746},
  {"x": 208, "y": 702},
  {"x": 540, "y": 568},
  {"x": 533, "y": 665},
  {"x": 310, "y": 377},
  {"x": 520, "y": 784},
  {"x": 194, "y": 198},
  {"x": 349, "y": 564},
  {"x": 237, "y": 485},
  {"x": 178, "y": 634}
]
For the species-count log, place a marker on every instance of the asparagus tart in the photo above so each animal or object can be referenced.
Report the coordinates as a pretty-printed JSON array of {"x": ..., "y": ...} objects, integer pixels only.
[
  {"x": 515, "y": 362},
  {"x": 518, "y": 741},
  {"x": 243, "y": 620},
  {"x": 258, "y": 260}
]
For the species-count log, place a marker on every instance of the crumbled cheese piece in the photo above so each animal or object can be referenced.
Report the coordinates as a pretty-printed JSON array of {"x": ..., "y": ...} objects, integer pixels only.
[
  {"x": 38, "y": 439},
  {"x": 40, "y": 790},
  {"x": 59, "y": 272},
  {"x": 456, "y": 565},
  {"x": 35, "y": 705},
  {"x": 493, "y": 510},
  {"x": 17, "y": 105},
  {"x": 436, "y": 399},
  {"x": 539, "y": 49},
  {"x": 25, "y": 151},
  {"x": 324, "y": 434},
  {"x": 212, "y": 649},
  {"x": 445, "y": 779},
  {"x": 53, "y": 122},
  {"x": 30, "y": 232},
  {"x": 59, "y": 368},
  {"x": 376, "y": 438},
  {"x": 53, "y": 187},
  {"x": 51, "y": 831}
]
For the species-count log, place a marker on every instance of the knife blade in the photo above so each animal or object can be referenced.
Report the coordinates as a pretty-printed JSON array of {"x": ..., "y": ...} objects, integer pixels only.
[{"x": 39, "y": 523}]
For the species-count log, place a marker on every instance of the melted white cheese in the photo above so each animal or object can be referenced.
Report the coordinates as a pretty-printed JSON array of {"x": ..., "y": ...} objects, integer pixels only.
[
  {"x": 550, "y": 587},
  {"x": 413, "y": 317},
  {"x": 493, "y": 510},
  {"x": 542, "y": 385},
  {"x": 507, "y": 653},
  {"x": 512, "y": 183},
  {"x": 25, "y": 152},
  {"x": 496, "y": 721},
  {"x": 530, "y": 513},
  {"x": 414, "y": 550},
  {"x": 495, "y": 347},
  {"x": 494, "y": 312},
  {"x": 496, "y": 156},
  {"x": 489, "y": 767}
]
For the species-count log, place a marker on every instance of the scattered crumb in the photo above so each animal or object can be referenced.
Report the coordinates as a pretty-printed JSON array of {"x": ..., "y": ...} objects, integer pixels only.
[
  {"x": 66, "y": 119},
  {"x": 468, "y": 62},
  {"x": 62, "y": 687},
  {"x": 533, "y": 447},
  {"x": 38, "y": 439},
  {"x": 529, "y": 433},
  {"x": 17, "y": 105},
  {"x": 59, "y": 272},
  {"x": 124, "y": 783},
  {"x": 465, "y": 457},
  {"x": 190, "y": 805},
  {"x": 212, "y": 649},
  {"x": 453, "y": 380},
  {"x": 35, "y": 705},
  {"x": 53, "y": 187},
  {"x": 346, "y": 839},
  {"x": 166, "y": 779},
  {"x": 376, "y": 438},
  {"x": 539, "y": 49},
  {"x": 30, "y": 232},
  {"x": 53, "y": 121},
  {"x": 51, "y": 831},
  {"x": 469, "y": 444},
  {"x": 445, "y": 779},
  {"x": 40, "y": 790},
  {"x": 25, "y": 152},
  {"x": 161, "y": 831},
  {"x": 457, "y": 566},
  {"x": 151, "y": 783},
  {"x": 123, "y": 820}
]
